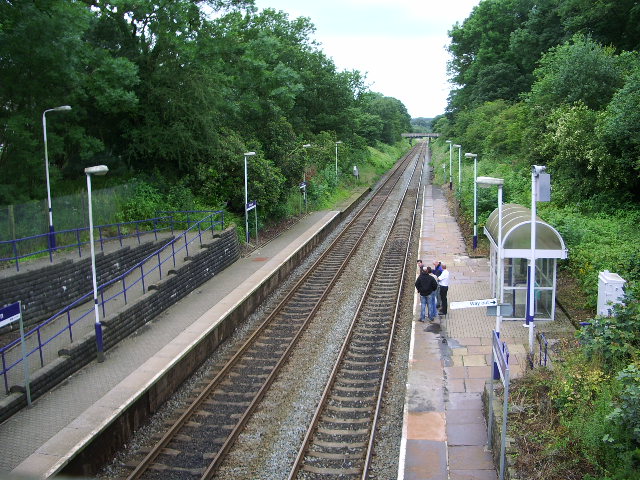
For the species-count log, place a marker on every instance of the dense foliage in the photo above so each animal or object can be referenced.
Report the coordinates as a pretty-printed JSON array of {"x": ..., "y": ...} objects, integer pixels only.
[
  {"x": 555, "y": 83},
  {"x": 162, "y": 91}
]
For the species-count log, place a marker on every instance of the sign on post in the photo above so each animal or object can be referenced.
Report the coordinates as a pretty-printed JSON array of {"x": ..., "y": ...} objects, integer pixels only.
[
  {"x": 473, "y": 303},
  {"x": 251, "y": 205},
  {"x": 10, "y": 314},
  {"x": 500, "y": 354}
]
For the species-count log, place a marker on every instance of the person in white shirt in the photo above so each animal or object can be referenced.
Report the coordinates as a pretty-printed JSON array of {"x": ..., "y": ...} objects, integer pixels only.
[{"x": 443, "y": 281}]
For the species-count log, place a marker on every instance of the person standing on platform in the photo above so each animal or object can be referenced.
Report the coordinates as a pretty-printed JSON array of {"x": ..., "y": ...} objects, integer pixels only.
[
  {"x": 431, "y": 301},
  {"x": 443, "y": 281},
  {"x": 437, "y": 270},
  {"x": 419, "y": 263},
  {"x": 426, "y": 285}
]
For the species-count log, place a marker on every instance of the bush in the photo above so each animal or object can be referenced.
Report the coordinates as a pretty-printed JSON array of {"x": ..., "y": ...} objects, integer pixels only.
[{"x": 613, "y": 340}]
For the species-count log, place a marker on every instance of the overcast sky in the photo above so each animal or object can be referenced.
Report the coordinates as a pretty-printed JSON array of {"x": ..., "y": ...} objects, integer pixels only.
[{"x": 399, "y": 44}]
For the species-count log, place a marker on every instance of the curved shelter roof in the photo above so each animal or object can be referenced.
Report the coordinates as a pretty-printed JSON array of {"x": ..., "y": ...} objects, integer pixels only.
[{"x": 516, "y": 234}]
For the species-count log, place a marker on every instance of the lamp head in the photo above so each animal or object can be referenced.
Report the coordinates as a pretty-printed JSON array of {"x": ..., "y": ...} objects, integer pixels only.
[
  {"x": 489, "y": 181},
  {"x": 471, "y": 155},
  {"x": 249, "y": 154},
  {"x": 457, "y": 146},
  {"x": 306, "y": 145},
  {"x": 448, "y": 141},
  {"x": 339, "y": 141},
  {"x": 97, "y": 170},
  {"x": 62, "y": 108}
]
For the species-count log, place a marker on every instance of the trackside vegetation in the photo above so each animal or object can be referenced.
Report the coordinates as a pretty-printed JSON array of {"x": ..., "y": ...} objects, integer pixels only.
[
  {"x": 169, "y": 95},
  {"x": 557, "y": 83}
]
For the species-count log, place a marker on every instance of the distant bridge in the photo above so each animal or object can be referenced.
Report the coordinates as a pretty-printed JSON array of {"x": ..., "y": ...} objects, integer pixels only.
[{"x": 420, "y": 135}]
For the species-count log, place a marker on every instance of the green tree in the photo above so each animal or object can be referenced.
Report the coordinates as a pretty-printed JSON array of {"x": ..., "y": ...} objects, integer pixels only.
[
  {"x": 619, "y": 129},
  {"x": 609, "y": 22},
  {"x": 580, "y": 70}
]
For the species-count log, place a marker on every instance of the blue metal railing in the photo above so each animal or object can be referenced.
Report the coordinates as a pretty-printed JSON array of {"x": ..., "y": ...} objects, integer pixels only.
[
  {"x": 66, "y": 240},
  {"x": 63, "y": 322}
]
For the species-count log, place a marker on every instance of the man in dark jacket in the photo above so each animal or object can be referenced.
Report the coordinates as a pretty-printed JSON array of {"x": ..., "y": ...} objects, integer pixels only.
[{"x": 426, "y": 285}]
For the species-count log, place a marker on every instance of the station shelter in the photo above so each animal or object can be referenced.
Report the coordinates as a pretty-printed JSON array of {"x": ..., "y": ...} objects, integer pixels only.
[{"x": 515, "y": 253}]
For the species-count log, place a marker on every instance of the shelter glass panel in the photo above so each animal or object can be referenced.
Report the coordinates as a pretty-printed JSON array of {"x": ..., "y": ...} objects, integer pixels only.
[{"x": 515, "y": 286}]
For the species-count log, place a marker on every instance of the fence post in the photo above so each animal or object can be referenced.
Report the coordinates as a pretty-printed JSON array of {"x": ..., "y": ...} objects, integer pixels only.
[{"x": 12, "y": 222}]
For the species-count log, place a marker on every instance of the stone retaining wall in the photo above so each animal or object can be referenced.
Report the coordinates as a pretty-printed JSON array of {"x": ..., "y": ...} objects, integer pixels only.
[
  {"x": 213, "y": 258},
  {"x": 48, "y": 290}
]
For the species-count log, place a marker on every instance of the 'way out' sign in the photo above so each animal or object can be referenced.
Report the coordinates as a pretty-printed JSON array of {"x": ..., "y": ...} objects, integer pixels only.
[{"x": 473, "y": 303}]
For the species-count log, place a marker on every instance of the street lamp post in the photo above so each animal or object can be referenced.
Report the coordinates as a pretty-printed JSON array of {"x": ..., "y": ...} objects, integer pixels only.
[
  {"x": 475, "y": 197},
  {"x": 450, "y": 155},
  {"x": 246, "y": 195},
  {"x": 52, "y": 236},
  {"x": 304, "y": 176},
  {"x": 459, "y": 147},
  {"x": 536, "y": 170},
  {"x": 487, "y": 182},
  {"x": 337, "y": 143},
  {"x": 97, "y": 170}
]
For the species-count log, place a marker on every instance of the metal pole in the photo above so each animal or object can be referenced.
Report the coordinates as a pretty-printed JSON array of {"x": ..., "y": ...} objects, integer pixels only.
[
  {"x": 450, "y": 172},
  {"x": 256, "y": 217},
  {"x": 500, "y": 282},
  {"x": 52, "y": 236},
  {"x": 459, "y": 165},
  {"x": 98, "y": 325},
  {"x": 475, "y": 202},
  {"x": 337, "y": 143},
  {"x": 246, "y": 199},
  {"x": 246, "y": 196},
  {"x": 505, "y": 412},
  {"x": 531, "y": 279}
]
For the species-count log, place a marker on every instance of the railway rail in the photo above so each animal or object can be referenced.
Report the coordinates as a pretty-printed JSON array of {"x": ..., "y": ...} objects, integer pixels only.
[
  {"x": 196, "y": 443},
  {"x": 340, "y": 440}
]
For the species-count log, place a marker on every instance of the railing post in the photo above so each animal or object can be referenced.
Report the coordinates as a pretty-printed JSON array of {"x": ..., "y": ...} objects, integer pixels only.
[
  {"x": 78, "y": 242},
  {"x": 155, "y": 228},
  {"x": 69, "y": 325},
  {"x": 119, "y": 235},
  {"x": 138, "y": 233},
  {"x": 101, "y": 240},
  {"x": 142, "y": 279},
  {"x": 15, "y": 255},
  {"x": 159, "y": 266},
  {"x": 104, "y": 309},
  {"x": 124, "y": 289},
  {"x": 4, "y": 372},
  {"x": 40, "y": 348}
]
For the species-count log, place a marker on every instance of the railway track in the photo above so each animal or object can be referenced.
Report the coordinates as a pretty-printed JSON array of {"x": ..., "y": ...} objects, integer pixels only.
[
  {"x": 196, "y": 443},
  {"x": 340, "y": 440}
]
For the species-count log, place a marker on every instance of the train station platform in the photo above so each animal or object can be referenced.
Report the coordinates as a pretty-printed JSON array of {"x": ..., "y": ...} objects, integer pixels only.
[
  {"x": 444, "y": 431},
  {"x": 40, "y": 441}
]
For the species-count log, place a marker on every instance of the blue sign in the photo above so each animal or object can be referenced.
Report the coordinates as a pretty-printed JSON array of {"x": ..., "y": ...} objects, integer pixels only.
[
  {"x": 303, "y": 185},
  {"x": 9, "y": 314},
  {"x": 251, "y": 205}
]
